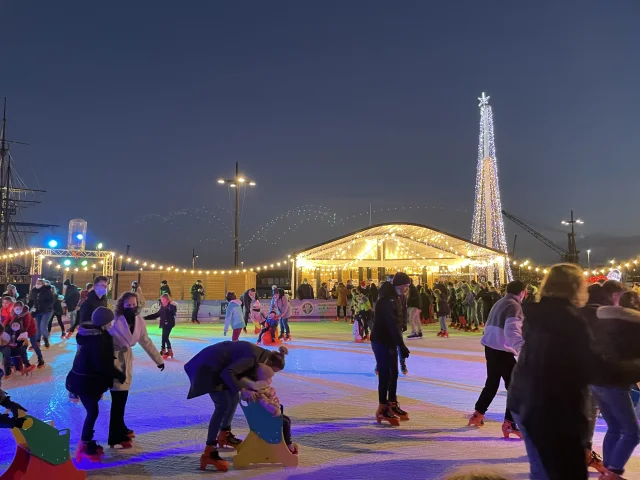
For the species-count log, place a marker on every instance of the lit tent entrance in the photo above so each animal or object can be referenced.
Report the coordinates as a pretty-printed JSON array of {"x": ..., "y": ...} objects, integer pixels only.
[{"x": 424, "y": 253}]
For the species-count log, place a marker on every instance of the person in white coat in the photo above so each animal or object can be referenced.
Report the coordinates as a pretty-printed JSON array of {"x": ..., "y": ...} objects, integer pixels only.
[{"x": 128, "y": 329}]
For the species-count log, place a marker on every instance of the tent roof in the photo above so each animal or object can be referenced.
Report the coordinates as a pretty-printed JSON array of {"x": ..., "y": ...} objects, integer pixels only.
[{"x": 398, "y": 245}]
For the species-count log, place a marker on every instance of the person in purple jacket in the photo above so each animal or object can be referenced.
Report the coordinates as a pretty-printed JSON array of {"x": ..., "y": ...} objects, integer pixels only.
[{"x": 502, "y": 341}]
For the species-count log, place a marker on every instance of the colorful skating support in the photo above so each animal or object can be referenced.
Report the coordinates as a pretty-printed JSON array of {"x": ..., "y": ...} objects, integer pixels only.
[
  {"x": 267, "y": 341},
  {"x": 42, "y": 452},
  {"x": 265, "y": 442}
]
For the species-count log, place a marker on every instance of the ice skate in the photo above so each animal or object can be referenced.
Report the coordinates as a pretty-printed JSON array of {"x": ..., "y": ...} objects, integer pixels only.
[
  {"x": 227, "y": 439},
  {"x": 403, "y": 369},
  {"x": 63, "y": 335},
  {"x": 293, "y": 448},
  {"x": 40, "y": 364},
  {"x": 595, "y": 461},
  {"x": 384, "y": 414},
  {"x": 419, "y": 334},
  {"x": 610, "y": 476},
  {"x": 510, "y": 428},
  {"x": 212, "y": 457},
  {"x": 475, "y": 329},
  {"x": 412, "y": 336},
  {"x": 476, "y": 420},
  {"x": 130, "y": 434},
  {"x": 396, "y": 410},
  {"x": 445, "y": 335},
  {"x": 89, "y": 451},
  {"x": 170, "y": 353},
  {"x": 163, "y": 354},
  {"x": 124, "y": 444},
  {"x": 27, "y": 369},
  {"x": 440, "y": 333},
  {"x": 287, "y": 338}
]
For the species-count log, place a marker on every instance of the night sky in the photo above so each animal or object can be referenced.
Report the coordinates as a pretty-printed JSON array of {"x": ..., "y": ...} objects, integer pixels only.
[{"x": 134, "y": 109}]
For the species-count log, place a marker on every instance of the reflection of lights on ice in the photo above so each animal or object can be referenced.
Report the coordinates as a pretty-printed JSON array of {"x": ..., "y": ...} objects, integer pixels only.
[{"x": 614, "y": 274}]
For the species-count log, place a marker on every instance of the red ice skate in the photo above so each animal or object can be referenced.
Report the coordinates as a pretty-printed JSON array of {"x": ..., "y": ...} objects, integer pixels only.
[
  {"x": 384, "y": 414},
  {"x": 396, "y": 410},
  {"x": 476, "y": 420},
  {"x": 212, "y": 457},
  {"x": 227, "y": 439},
  {"x": 510, "y": 428},
  {"x": 89, "y": 451},
  {"x": 595, "y": 461},
  {"x": 170, "y": 353}
]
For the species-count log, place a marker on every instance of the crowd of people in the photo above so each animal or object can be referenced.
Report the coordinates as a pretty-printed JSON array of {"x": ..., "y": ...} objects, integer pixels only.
[{"x": 565, "y": 352}]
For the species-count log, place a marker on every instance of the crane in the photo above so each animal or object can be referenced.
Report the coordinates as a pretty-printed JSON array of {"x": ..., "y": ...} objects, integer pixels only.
[{"x": 567, "y": 256}]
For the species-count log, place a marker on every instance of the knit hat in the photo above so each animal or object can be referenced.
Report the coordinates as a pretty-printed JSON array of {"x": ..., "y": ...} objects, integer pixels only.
[
  {"x": 400, "y": 279},
  {"x": 101, "y": 316},
  {"x": 67, "y": 282}
]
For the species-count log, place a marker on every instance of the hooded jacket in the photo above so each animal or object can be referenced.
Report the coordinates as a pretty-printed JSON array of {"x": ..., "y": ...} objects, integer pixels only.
[
  {"x": 93, "y": 368},
  {"x": 388, "y": 321},
  {"x": 27, "y": 320},
  {"x": 90, "y": 304},
  {"x": 72, "y": 297},
  {"x": 503, "y": 330},
  {"x": 233, "y": 318},
  {"x": 41, "y": 299},
  {"x": 221, "y": 366}
]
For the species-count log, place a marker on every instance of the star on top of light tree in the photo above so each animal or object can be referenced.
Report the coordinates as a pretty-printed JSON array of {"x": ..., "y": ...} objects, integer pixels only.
[{"x": 484, "y": 100}]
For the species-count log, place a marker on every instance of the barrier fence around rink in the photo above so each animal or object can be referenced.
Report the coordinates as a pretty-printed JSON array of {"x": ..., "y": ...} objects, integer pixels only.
[{"x": 215, "y": 310}]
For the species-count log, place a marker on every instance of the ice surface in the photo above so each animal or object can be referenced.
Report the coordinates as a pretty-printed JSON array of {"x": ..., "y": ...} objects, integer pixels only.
[{"x": 328, "y": 389}]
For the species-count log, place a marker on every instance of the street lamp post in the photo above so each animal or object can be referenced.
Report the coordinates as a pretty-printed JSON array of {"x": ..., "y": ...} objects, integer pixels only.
[
  {"x": 235, "y": 183},
  {"x": 573, "y": 251},
  {"x": 589, "y": 259}
]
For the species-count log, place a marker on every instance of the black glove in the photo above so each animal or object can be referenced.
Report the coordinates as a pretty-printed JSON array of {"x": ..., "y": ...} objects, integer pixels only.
[
  {"x": 18, "y": 422},
  {"x": 13, "y": 406},
  {"x": 161, "y": 367},
  {"x": 404, "y": 351}
]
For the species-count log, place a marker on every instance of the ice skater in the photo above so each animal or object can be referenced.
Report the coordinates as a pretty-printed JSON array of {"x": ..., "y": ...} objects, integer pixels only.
[
  {"x": 127, "y": 331},
  {"x": 167, "y": 315},
  {"x": 443, "y": 311},
  {"x": 92, "y": 374},
  {"x": 233, "y": 317},
  {"x": 217, "y": 371}
]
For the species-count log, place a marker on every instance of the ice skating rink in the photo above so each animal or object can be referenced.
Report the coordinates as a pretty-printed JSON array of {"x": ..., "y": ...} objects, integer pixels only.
[{"x": 328, "y": 389}]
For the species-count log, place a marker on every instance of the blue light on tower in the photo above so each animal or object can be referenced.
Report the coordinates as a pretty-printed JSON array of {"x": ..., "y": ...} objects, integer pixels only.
[
  {"x": 53, "y": 243},
  {"x": 79, "y": 236},
  {"x": 67, "y": 262}
]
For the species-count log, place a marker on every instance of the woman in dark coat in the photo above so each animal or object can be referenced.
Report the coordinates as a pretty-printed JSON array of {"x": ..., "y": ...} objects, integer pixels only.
[
  {"x": 217, "y": 371},
  {"x": 549, "y": 395}
]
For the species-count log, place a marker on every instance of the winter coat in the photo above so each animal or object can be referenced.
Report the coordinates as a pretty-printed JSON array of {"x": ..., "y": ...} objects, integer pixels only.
[
  {"x": 123, "y": 341},
  {"x": 323, "y": 293},
  {"x": 443, "y": 308},
  {"x": 373, "y": 293},
  {"x": 305, "y": 292},
  {"x": 197, "y": 292},
  {"x": 165, "y": 289},
  {"x": 387, "y": 323},
  {"x": 284, "y": 307},
  {"x": 167, "y": 315},
  {"x": 503, "y": 330},
  {"x": 221, "y": 366},
  {"x": 71, "y": 297},
  {"x": 57, "y": 305},
  {"x": 93, "y": 368},
  {"x": 413, "y": 299},
  {"x": 246, "y": 302},
  {"x": 342, "y": 296},
  {"x": 256, "y": 312},
  {"x": 27, "y": 320},
  {"x": 41, "y": 299},
  {"x": 6, "y": 314},
  {"x": 425, "y": 302},
  {"x": 549, "y": 385},
  {"x": 617, "y": 332},
  {"x": 233, "y": 318},
  {"x": 89, "y": 305}
]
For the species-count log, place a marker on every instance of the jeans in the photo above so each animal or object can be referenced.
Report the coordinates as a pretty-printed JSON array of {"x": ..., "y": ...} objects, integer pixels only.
[
  {"x": 74, "y": 319},
  {"x": 42, "y": 323},
  {"x": 60, "y": 323},
  {"x": 117, "y": 428},
  {"x": 387, "y": 367},
  {"x": 36, "y": 347},
  {"x": 443, "y": 324},
  {"x": 623, "y": 431},
  {"x": 166, "y": 331},
  {"x": 286, "y": 429},
  {"x": 284, "y": 326},
  {"x": 472, "y": 316},
  {"x": 414, "y": 317},
  {"x": 196, "y": 308},
  {"x": 90, "y": 404},
  {"x": 499, "y": 365},
  {"x": 226, "y": 404},
  {"x": 536, "y": 469}
]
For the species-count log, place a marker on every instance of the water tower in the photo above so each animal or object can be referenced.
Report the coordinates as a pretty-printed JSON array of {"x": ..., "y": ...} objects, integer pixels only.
[{"x": 77, "y": 234}]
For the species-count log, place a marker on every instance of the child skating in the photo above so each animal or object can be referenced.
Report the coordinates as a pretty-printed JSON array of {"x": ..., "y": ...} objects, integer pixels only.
[
  {"x": 442, "y": 308},
  {"x": 92, "y": 374},
  {"x": 270, "y": 325},
  {"x": 263, "y": 393},
  {"x": 15, "y": 339},
  {"x": 167, "y": 314}
]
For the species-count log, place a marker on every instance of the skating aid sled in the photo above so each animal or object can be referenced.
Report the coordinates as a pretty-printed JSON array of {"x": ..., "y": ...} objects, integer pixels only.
[{"x": 42, "y": 452}]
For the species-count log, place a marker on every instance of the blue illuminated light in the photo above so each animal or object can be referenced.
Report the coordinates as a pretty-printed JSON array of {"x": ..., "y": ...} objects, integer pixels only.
[
  {"x": 53, "y": 243},
  {"x": 67, "y": 263},
  {"x": 79, "y": 236}
]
